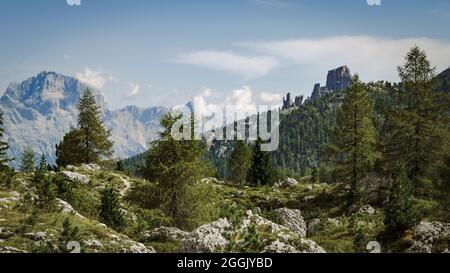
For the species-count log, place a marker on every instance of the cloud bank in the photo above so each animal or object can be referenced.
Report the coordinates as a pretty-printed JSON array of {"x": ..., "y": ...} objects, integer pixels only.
[
  {"x": 249, "y": 67},
  {"x": 373, "y": 58}
]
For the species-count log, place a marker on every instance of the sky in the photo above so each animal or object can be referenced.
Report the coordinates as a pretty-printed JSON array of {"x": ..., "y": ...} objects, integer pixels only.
[{"x": 165, "y": 52}]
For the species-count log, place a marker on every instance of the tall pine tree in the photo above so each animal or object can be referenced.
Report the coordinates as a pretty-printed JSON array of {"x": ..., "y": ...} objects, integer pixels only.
[
  {"x": 176, "y": 166},
  {"x": 94, "y": 136},
  {"x": 261, "y": 172},
  {"x": 239, "y": 162},
  {"x": 414, "y": 120},
  {"x": 354, "y": 140}
]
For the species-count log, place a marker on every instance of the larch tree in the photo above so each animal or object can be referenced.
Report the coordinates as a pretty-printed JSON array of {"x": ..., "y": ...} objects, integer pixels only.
[
  {"x": 354, "y": 141},
  {"x": 95, "y": 141},
  {"x": 414, "y": 122}
]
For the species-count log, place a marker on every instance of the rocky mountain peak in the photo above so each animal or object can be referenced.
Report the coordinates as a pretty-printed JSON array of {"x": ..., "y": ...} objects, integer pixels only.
[
  {"x": 39, "y": 111},
  {"x": 339, "y": 79}
]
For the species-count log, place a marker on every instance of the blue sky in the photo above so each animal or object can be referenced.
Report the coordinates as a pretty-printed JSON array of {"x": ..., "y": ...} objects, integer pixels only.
[{"x": 164, "y": 52}]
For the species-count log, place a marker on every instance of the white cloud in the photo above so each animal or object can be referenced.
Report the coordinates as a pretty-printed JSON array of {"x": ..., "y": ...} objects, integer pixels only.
[
  {"x": 134, "y": 90},
  {"x": 92, "y": 78},
  {"x": 249, "y": 67},
  {"x": 271, "y": 98},
  {"x": 374, "y": 2},
  {"x": 372, "y": 57},
  {"x": 73, "y": 2}
]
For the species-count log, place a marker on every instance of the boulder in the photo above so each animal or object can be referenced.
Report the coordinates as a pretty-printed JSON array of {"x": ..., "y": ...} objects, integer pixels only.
[
  {"x": 309, "y": 246},
  {"x": 5, "y": 233},
  {"x": 11, "y": 250},
  {"x": 287, "y": 183},
  {"x": 90, "y": 167},
  {"x": 426, "y": 234},
  {"x": 206, "y": 239},
  {"x": 279, "y": 247},
  {"x": 66, "y": 208},
  {"x": 76, "y": 177},
  {"x": 139, "y": 248},
  {"x": 212, "y": 237},
  {"x": 293, "y": 220},
  {"x": 164, "y": 234},
  {"x": 39, "y": 236},
  {"x": 367, "y": 209},
  {"x": 93, "y": 243}
]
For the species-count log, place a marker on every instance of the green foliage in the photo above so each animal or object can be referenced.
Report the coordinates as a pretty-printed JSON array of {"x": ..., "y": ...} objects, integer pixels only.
[
  {"x": 68, "y": 150},
  {"x": 68, "y": 234},
  {"x": 89, "y": 143},
  {"x": 46, "y": 190},
  {"x": 444, "y": 187},
  {"x": 353, "y": 147},
  {"x": 175, "y": 166},
  {"x": 29, "y": 222},
  {"x": 400, "y": 213},
  {"x": 239, "y": 162},
  {"x": 110, "y": 211},
  {"x": 95, "y": 143},
  {"x": 4, "y": 159},
  {"x": 120, "y": 166},
  {"x": 28, "y": 164},
  {"x": 414, "y": 119},
  {"x": 261, "y": 172},
  {"x": 315, "y": 175}
]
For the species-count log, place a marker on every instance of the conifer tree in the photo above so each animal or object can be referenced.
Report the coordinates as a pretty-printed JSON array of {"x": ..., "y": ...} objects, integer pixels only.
[
  {"x": 45, "y": 187},
  {"x": 239, "y": 162},
  {"x": 4, "y": 160},
  {"x": 110, "y": 213},
  {"x": 28, "y": 164},
  {"x": 315, "y": 175},
  {"x": 354, "y": 140},
  {"x": 261, "y": 172},
  {"x": 400, "y": 213},
  {"x": 68, "y": 234},
  {"x": 69, "y": 150},
  {"x": 94, "y": 136},
  {"x": 444, "y": 189},
  {"x": 414, "y": 137},
  {"x": 176, "y": 166}
]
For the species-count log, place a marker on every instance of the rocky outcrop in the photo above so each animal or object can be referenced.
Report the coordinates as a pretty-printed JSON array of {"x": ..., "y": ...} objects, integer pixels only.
[
  {"x": 164, "y": 234},
  {"x": 339, "y": 79},
  {"x": 213, "y": 237},
  {"x": 207, "y": 239},
  {"x": 76, "y": 177},
  {"x": 426, "y": 236},
  {"x": 40, "y": 110},
  {"x": 367, "y": 209},
  {"x": 66, "y": 208},
  {"x": 279, "y": 247},
  {"x": 287, "y": 183},
  {"x": 90, "y": 167},
  {"x": 292, "y": 219},
  {"x": 318, "y": 92},
  {"x": 289, "y": 103}
]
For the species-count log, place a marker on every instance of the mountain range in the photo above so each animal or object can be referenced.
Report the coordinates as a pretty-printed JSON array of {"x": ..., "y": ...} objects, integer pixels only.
[{"x": 39, "y": 111}]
